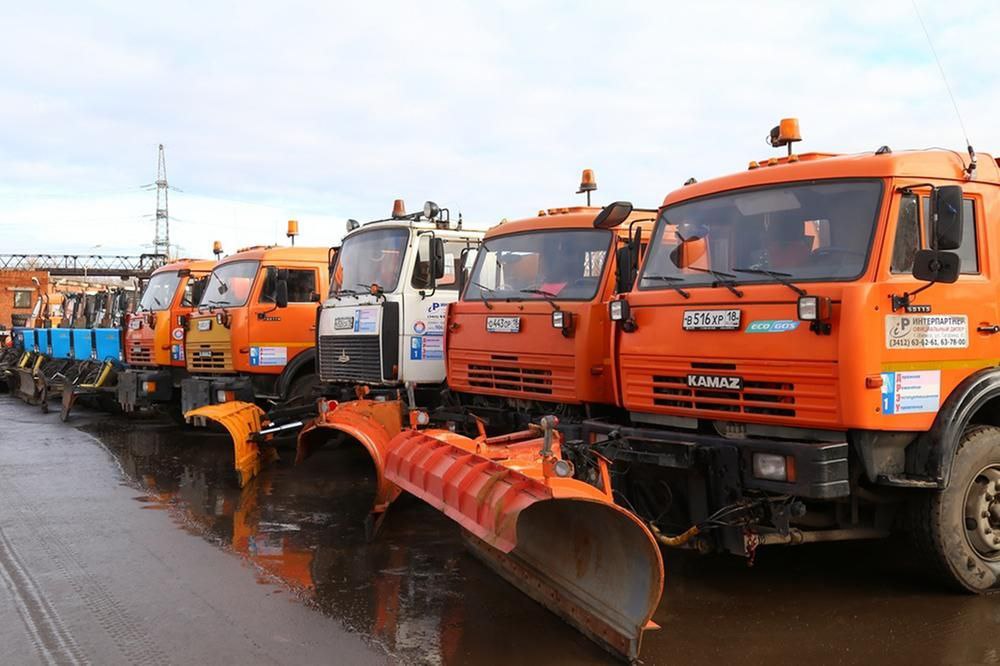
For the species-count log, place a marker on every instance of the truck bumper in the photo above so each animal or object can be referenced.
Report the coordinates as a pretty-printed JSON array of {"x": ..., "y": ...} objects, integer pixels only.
[
  {"x": 201, "y": 391},
  {"x": 142, "y": 388},
  {"x": 817, "y": 470}
]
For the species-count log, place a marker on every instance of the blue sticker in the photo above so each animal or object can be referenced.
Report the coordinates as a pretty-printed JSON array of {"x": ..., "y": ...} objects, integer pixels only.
[
  {"x": 416, "y": 348},
  {"x": 772, "y": 326},
  {"x": 255, "y": 356},
  {"x": 911, "y": 392}
]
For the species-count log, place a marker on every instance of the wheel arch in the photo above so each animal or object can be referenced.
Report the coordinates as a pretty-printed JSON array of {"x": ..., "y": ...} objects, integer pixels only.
[
  {"x": 975, "y": 401},
  {"x": 303, "y": 363}
]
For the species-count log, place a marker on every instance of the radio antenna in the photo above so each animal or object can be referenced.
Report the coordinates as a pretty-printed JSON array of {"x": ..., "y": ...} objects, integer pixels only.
[{"x": 971, "y": 169}]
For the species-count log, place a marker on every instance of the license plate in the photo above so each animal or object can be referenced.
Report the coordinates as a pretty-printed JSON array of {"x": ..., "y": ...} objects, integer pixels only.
[
  {"x": 204, "y": 324},
  {"x": 711, "y": 320},
  {"x": 503, "y": 324},
  {"x": 135, "y": 324},
  {"x": 343, "y": 323}
]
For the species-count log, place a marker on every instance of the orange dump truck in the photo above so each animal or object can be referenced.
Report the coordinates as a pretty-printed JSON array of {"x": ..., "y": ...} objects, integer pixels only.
[
  {"x": 253, "y": 335},
  {"x": 833, "y": 373},
  {"x": 531, "y": 334},
  {"x": 154, "y": 334}
]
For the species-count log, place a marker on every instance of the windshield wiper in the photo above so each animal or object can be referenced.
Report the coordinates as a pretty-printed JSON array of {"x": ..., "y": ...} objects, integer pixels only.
[
  {"x": 777, "y": 276},
  {"x": 669, "y": 279},
  {"x": 547, "y": 295},
  {"x": 727, "y": 280},
  {"x": 482, "y": 295}
]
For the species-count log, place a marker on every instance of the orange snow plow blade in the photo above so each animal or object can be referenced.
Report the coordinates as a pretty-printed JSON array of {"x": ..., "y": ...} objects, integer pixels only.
[
  {"x": 373, "y": 424},
  {"x": 243, "y": 421},
  {"x": 562, "y": 541}
]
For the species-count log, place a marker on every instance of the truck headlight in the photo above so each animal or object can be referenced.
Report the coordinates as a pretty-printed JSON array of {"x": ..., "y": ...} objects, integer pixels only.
[
  {"x": 619, "y": 310},
  {"x": 562, "y": 320},
  {"x": 814, "y": 308},
  {"x": 774, "y": 467}
]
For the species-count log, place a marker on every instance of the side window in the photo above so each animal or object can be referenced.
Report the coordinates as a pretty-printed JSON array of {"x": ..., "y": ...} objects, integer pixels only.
[
  {"x": 907, "y": 242},
  {"x": 452, "y": 264},
  {"x": 301, "y": 285},
  {"x": 969, "y": 251},
  {"x": 193, "y": 290}
]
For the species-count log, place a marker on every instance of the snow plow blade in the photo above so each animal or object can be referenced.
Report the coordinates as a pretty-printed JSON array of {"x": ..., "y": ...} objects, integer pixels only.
[
  {"x": 243, "y": 421},
  {"x": 561, "y": 541},
  {"x": 372, "y": 424}
]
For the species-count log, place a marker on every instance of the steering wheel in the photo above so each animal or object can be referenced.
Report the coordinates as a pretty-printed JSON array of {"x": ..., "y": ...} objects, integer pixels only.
[{"x": 834, "y": 250}]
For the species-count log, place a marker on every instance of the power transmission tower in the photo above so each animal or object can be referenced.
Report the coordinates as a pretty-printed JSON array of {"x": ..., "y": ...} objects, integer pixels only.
[{"x": 161, "y": 242}]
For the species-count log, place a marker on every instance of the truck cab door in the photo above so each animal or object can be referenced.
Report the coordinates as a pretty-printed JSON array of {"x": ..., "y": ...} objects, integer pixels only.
[
  {"x": 282, "y": 325},
  {"x": 935, "y": 338}
]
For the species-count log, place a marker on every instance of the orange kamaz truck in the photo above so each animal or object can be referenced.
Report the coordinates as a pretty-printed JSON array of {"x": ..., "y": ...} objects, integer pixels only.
[
  {"x": 154, "y": 335},
  {"x": 833, "y": 373},
  {"x": 252, "y": 337}
]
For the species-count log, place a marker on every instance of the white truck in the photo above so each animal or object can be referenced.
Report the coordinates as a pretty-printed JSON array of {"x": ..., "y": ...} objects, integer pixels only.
[{"x": 382, "y": 325}]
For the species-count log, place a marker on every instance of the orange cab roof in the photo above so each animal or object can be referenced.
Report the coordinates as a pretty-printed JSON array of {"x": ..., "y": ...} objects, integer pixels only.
[
  {"x": 194, "y": 265},
  {"x": 815, "y": 166},
  {"x": 575, "y": 217},
  {"x": 280, "y": 253}
]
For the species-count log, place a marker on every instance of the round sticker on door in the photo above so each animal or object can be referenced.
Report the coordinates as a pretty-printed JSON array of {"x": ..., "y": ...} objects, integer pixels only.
[
  {"x": 419, "y": 327},
  {"x": 178, "y": 333}
]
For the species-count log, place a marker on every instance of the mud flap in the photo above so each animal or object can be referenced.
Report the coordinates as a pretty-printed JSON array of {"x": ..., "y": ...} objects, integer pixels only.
[
  {"x": 559, "y": 540},
  {"x": 373, "y": 423},
  {"x": 242, "y": 420}
]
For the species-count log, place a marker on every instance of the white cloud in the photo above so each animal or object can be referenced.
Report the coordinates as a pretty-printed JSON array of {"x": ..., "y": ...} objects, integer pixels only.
[{"x": 328, "y": 112}]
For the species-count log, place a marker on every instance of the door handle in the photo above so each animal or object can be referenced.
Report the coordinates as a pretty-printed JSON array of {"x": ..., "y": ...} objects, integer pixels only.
[{"x": 988, "y": 329}]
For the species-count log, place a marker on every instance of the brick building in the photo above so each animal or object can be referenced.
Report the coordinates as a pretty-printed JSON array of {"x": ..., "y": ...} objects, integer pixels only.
[{"x": 18, "y": 294}]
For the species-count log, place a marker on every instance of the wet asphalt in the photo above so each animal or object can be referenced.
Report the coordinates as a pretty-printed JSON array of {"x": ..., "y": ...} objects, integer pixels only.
[{"x": 127, "y": 541}]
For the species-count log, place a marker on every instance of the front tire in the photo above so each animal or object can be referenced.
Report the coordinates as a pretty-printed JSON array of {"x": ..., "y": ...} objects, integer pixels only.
[
  {"x": 957, "y": 530},
  {"x": 302, "y": 391}
]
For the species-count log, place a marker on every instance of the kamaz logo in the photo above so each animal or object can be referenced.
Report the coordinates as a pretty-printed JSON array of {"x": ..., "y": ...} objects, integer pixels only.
[
  {"x": 715, "y": 382},
  {"x": 343, "y": 358}
]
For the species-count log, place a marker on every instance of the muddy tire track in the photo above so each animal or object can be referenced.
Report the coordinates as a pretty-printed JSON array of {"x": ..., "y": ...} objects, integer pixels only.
[
  {"x": 127, "y": 634},
  {"x": 49, "y": 635}
]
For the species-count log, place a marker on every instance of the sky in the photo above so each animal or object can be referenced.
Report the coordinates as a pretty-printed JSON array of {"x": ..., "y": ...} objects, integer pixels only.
[{"x": 328, "y": 111}]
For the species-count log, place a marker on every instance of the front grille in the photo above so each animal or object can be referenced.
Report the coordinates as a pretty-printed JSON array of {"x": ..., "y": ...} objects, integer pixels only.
[
  {"x": 757, "y": 397},
  {"x": 139, "y": 353},
  {"x": 350, "y": 358},
  {"x": 210, "y": 356},
  {"x": 516, "y": 375},
  {"x": 804, "y": 391},
  {"x": 502, "y": 375}
]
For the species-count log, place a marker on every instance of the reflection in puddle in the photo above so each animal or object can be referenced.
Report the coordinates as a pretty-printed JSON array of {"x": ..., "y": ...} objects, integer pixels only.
[{"x": 413, "y": 590}]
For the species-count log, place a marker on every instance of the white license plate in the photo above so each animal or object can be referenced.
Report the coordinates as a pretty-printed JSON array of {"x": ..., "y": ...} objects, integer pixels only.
[
  {"x": 711, "y": 320},
  {"x": 503, "y": 324},
  {"x": 135, "y": 324},
  {"x": 204, "y": 324}
]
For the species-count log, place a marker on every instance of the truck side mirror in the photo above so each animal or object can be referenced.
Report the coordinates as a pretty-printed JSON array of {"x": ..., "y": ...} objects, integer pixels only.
[
  {"x": 936, "y": 266},
  {"x": 281, "y": 294},
  {"x": 437, "y": 258},
  {"x": 946, "y": 217},
  {"x": 613, "y": 215}
]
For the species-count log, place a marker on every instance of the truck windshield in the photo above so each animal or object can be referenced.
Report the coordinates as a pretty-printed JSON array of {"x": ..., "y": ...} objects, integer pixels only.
[
  {"x": 374, "y": 256},
  {"x": 160, "y": 291},
  {"x": 559, "y": 264},
  {"x": 230, "y": 284},
  {"x": 797, "y": 232}
]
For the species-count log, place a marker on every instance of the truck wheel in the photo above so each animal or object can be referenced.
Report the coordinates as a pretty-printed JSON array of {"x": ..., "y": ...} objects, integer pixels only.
[
  {"x": 302, "y": 390},
  {"x": 958, "y": 529}
]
